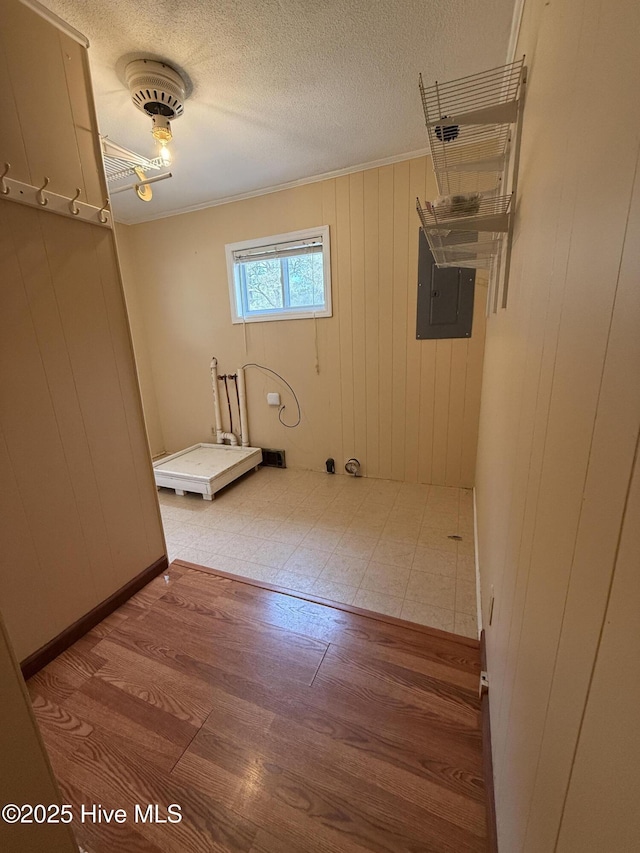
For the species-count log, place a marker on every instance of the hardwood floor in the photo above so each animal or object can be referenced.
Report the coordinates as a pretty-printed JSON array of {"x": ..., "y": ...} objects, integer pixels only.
[{"x": 279, "y": 725}]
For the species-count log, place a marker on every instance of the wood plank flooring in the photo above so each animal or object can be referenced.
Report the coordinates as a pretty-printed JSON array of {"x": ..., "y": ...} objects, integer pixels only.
[{"x": 279, "y": 725}]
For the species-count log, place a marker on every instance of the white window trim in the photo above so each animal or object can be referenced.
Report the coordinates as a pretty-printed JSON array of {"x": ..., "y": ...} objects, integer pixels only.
[{"x": 290, "y": 313}]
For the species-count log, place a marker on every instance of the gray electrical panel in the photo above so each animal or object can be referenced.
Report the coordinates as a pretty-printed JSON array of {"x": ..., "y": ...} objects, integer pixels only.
[{"x": 445, "y": 298}]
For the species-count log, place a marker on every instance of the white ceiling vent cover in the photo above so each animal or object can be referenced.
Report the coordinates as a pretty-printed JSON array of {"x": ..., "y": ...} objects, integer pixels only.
[{"x": 156, "y": 88}]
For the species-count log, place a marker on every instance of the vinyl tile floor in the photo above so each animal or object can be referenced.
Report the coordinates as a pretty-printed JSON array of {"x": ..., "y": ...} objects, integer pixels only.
[{"x": 381, "y": 545}]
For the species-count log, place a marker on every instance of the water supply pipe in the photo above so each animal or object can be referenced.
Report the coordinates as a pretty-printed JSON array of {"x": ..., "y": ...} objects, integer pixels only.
[
  {"x": 216, "y": 400},
  {"x": 221, "y": 436},
  {"x": 242, "y": 405}
]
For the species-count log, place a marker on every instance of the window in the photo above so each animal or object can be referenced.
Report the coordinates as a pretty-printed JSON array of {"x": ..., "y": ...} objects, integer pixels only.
[{"x": 285, "y": 277}]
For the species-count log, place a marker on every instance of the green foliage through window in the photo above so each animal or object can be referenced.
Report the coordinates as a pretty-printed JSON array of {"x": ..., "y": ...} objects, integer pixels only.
[
  {"x": 291, "y": 282},
  {"x": 282, "y": 277}
]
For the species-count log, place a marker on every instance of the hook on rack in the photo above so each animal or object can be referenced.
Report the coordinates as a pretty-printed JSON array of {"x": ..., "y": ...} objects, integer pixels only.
[
  {"x": 73, "y": 207},
  {"x": 4, "y": 189},
  {"x": 40, "y": 194},
  {"x": 103, "y": 219}
]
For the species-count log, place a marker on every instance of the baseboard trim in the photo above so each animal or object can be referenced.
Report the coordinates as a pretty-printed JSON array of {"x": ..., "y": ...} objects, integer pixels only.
[
  {"x": 487, "y": 758},
  {"x": 44, "y": 655}
]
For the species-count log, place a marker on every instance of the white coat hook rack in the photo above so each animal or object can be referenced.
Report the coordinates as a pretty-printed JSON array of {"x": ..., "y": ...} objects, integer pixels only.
[
  {"x": 40, "y": 194},
  {"x": 4, "y": 189},
  {"x": 73, "y": 207},
  {"x": 44, "y": 199}
]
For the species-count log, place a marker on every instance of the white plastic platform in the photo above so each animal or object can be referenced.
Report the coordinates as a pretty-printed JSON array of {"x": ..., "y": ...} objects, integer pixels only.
[{"x": 205, "y": 468}]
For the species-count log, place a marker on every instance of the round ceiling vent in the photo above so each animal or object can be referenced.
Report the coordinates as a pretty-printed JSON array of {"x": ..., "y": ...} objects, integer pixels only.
[{"x": 156, "y": 88}]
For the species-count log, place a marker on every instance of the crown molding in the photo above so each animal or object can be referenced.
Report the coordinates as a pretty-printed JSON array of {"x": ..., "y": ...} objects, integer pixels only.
[{"x": 325, "y": 176}]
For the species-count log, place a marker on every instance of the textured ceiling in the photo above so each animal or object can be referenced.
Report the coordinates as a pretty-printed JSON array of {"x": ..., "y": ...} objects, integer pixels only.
[{"x": 283, "y": 90}]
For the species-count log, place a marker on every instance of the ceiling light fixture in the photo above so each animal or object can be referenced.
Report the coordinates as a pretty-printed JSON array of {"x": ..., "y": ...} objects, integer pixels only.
[{"x": 159, "y": 91}]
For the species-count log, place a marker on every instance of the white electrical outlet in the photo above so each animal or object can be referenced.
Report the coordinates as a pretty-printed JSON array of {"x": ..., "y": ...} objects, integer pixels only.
[{"x": 273, "y": 399}]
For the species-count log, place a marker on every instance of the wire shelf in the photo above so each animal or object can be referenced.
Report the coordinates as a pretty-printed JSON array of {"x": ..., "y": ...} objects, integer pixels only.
[
  {"x": 474, "y": 161},
  {"x": 469, "y": 249},
  {"x": 490, "y": 97},
  {"x": 471, "y": 125},
  {"x": 483, "y": 213},
  {"x": 115, "y": 168},
  {"x": 121, "y": 162},
  {"x": 466, "y": 241}
]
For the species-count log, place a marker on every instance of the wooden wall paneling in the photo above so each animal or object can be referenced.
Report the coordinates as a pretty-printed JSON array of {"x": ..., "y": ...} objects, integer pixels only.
[
  {"x": 601, "y": 808},
  {"x": 21, "y": 555},
  {"x": 372, "y": 318},
  {"x": 417, "y": 169},
  {"x": 311, "y": 389},
  {"x": 135, "y": 313},
  {"x": 514, "y": 529},
  {"x": 612, "y": 450},
  {"x": 28, "y": 777},
  {"x": 11, "y": 144},
  {"x": 525, "y": 372},
  {"x": 385, "y": 284},
  {"x": 442, "y": 393},
  {"x": 143, "y": 498},
  {"x": 584, "y": 324},
  {"x": 519, "y": 536},
  {"x": 426, "y": 408},
  {"x": 180, "y": 372},
  {"x": 80, "y": 292},
  {"x": 473, "y": 388},
  {"x": 358, "y": 317},
  {"x": 399, "y": 315},
  {"x": 76, "y": 67},
  {"x": 73, "y": 55},
  {"x": 427, "y": 372},
  {"x": 553, "y": 337},
  {"x": 457, "y": 396},
  {"x": 329, "y": 332},
  {"x": 343, "y": 248},
  {"x": 28, "y": 422},
  {"x": 93, "y": 191},
  {"x": 521, "y": 427},
  {"x": 26, "y": 34},
  {"x": 58, "y": 370}
]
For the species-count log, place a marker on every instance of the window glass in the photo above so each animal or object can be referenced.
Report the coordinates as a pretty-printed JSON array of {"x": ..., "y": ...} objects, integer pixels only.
[{"x": 281, "y": 277}]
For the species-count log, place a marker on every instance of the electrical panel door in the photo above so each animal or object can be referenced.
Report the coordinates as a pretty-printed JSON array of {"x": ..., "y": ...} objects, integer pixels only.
[{"x": 445, "y": 298}]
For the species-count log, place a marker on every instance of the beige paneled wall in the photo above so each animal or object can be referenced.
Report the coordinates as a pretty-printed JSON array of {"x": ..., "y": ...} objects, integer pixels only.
[
  {"x": 48, "y": 120},
  {"x": 559, "y": 424},
  {"x": 139, "y": 337},
  {"x": 25, "y": 773},
  {"x": 407, "y": 409},
  {"x": 78, "y": 507},
  {"x": 601, "y": 811}
]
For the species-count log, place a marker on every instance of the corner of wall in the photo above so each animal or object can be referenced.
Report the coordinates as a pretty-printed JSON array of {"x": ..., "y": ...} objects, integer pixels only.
[{"x": 135, "y": 309}]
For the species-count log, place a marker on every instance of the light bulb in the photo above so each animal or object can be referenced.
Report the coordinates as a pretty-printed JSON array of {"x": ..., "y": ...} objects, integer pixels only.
[{"x": 165, "y": 155}]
